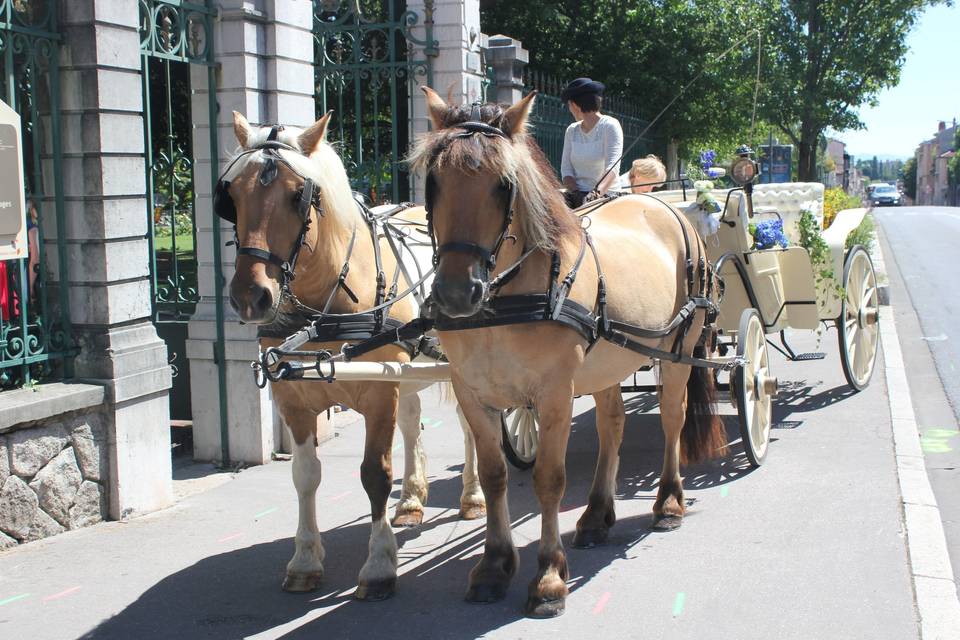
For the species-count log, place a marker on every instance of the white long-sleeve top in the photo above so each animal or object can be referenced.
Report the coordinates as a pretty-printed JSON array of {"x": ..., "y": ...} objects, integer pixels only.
[{"x": 587, "y": 156}]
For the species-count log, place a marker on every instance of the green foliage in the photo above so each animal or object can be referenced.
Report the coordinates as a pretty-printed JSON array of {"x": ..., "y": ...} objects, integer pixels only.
[
  {"x": 834, "y": 201},
  {"x": 811, "y": 240},
  {"x": 659, "y": 46},
  {"x": 909, "y": 175},
  {"x": 864, "y": 235},
  {"x": 953, "y": 165},
  {"x": 825, "y": 59}
]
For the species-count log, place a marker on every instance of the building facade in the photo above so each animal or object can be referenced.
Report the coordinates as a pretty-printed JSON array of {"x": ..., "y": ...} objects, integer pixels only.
[{"x": 933, "y": 156}]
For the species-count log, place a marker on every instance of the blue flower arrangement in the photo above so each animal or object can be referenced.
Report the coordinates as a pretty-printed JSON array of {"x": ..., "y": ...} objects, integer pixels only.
[
  {"x": 768, "y": 234},
  {"x": 706, "y": 158}
]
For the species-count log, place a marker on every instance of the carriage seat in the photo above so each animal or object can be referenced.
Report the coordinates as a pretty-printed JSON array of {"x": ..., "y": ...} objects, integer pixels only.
[{"x": 789, "y": 199}]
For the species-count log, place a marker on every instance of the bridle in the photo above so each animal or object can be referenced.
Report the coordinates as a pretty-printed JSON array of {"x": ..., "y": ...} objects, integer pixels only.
[
  {"x": 488, "y": 257},
  {"x": 307, "y": 198}
]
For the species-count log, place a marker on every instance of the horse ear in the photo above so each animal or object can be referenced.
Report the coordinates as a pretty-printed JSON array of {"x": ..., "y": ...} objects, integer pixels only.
[
  {"x": 514, "y": 119},
  {"x": 310, "y": 139},
  {"x": 436, "y": 107},
  {"x": 241, "y": 128}
]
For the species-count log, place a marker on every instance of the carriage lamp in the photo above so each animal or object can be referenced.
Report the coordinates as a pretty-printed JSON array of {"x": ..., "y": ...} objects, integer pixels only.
[{"x": 744, "y": 168}]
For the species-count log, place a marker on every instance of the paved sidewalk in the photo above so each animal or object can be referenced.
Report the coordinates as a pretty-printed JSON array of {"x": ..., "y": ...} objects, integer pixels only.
[{"x": 809, "y": 546}]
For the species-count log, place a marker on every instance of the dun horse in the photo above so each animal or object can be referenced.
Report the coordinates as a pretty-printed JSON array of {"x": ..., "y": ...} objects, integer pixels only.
[
  {"x": 503, "y": 238},
  {"x": 303, "y": 242}
]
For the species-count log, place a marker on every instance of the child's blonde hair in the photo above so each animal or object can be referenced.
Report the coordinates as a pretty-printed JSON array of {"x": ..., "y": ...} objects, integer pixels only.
[{"x": 647, "y": 170}]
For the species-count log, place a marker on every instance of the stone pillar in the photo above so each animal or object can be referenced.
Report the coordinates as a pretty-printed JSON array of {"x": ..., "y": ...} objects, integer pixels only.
[
  {"x": 508, "y": 58},
  {"x": 108, "y": 255},
  {"x": 265, "y": 71},
  {"x": 456, "y": 69}
]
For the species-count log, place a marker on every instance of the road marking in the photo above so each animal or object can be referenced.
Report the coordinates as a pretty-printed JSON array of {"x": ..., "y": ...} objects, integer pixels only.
[
  {"x": 940, "y": 338},
  {"x": 601, "y": 603},
  {"x": 265, "y": 512},
  {"x": 14, "y": 598},
  {"x": 62, "y": 594},
  {"x": 339, "y": 496},
  {"x": 724, "y": 490},
  {"x": 678, "y": 603},
  {"x": 232, "y": 536},
  {"x": 935, "y": 440}
]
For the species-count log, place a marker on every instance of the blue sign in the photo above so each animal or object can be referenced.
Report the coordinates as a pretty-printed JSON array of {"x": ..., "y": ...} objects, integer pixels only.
[{"x": 779, "y": 169}]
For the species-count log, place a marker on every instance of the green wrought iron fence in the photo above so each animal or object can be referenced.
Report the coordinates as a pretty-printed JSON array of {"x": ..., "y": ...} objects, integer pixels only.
[
  {"x": 550, "y": 119},
  {"x": 35, "y": 331},
  {"x": 365, "y": 61},
  {"x": 173, "y": 36}
]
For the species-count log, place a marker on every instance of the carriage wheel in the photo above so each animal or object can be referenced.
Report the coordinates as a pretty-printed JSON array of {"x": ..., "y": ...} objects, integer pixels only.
[
  {"x": 521, "y": 436},
  {"x": 858, "y": 325},
  {"x": 755, "y": 387}
]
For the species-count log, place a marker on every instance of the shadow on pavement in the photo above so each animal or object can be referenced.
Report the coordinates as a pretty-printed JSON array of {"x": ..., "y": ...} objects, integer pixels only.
[{"x": 237, "y": 593}]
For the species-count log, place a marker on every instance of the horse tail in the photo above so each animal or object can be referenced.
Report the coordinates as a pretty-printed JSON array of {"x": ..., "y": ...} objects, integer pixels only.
[{"x": 703, "y": 435}]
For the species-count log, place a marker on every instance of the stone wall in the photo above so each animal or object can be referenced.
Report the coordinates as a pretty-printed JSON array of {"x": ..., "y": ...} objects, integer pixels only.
[{"x": 53, "y": 476}]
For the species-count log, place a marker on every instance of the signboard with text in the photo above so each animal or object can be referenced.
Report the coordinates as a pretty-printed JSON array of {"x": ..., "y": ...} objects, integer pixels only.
[
  {"x": 13, "y": 222},
  {"x": 776, "y": 166}
]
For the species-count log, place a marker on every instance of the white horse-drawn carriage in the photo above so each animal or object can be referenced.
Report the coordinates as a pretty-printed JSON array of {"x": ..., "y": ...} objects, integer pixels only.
[
  {"x": 766, "y": 292},
  {"x": 495, "y": 230}
]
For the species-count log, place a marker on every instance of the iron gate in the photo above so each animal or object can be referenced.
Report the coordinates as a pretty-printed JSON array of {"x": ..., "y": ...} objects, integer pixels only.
[
  {"x": 366, "y": 60},
  {"x": 173, "y": 36},
  {"x": 35, "y": 330}
]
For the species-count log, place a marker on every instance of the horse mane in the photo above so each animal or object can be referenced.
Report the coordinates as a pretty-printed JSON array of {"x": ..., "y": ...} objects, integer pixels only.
[
  {"x": 541, "y": 212},
  {"x": 324, "y": 167}
]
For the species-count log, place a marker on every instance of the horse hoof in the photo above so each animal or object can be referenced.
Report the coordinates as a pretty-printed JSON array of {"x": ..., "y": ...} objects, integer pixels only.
[
  {"x": 473, "y": 511},
  {"x": 667, "y": 523},
  {"x": 376, "y": 590},
  {"x": 408, "y": 519},
  {"x": 540, "y": 608},
  {"x": 301, "y": 582},
  {"x": 486, "y": 593},
  {"x": 589, "y": 538}
]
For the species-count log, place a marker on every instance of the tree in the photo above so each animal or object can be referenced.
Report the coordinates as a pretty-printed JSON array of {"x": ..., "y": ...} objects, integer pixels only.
[
  {"x": 828, "y": 57},
  {"x": 909, "y": 175},
  {"x": 646, "y": 51}
]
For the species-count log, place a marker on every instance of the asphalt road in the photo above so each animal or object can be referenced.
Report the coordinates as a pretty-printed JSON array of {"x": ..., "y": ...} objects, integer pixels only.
[
  {"x": 921, "y": 247},
  {"x": 809, "y": 546}
]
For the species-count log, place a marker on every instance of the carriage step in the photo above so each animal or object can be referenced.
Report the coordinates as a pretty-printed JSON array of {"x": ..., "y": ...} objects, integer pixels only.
[{"x": 809, "y": 356}]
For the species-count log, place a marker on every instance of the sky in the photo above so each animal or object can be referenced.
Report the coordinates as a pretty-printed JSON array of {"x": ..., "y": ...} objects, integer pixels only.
[{"x": 929, "y": 91}]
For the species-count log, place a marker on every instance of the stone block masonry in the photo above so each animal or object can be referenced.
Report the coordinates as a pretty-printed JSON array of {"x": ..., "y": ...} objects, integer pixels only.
[{"x": 53, "y": 476}]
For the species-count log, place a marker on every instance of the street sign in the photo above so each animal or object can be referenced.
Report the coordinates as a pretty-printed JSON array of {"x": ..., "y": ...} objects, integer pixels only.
[
  {"x": 13, "y": 222},
  {"x": 777, "y": 168}
]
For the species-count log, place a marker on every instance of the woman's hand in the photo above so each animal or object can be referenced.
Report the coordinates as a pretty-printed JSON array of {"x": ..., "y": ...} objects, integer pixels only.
[{"x": 590, "y": 197}]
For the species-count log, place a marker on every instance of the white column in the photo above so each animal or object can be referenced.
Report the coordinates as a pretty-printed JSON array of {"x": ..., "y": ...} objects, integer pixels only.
[
  {"x": 457, "y": 68},
  {"x": 265, "y": 59}
]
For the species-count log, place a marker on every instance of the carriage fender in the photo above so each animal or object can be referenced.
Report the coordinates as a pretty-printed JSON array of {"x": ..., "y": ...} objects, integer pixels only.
[{"x": 836, "y": 235}]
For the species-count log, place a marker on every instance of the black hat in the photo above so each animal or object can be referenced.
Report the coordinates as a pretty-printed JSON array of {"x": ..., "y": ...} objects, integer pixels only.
[{"x": 581, "y": 86}]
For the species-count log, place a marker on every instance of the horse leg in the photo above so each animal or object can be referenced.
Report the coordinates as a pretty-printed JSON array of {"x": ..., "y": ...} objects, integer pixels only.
[
  {"x": 491, "y": 576},
  {"x": 595, "y": 523},
  {"x": 305, "y": 569},
  {"x": 472, "y": 504},
  {"x": 378, "y": 576},
  {"x": 409, "y": 511},
  {"x": 668, "y": 510},
  {"x": 547, "y": 592}
]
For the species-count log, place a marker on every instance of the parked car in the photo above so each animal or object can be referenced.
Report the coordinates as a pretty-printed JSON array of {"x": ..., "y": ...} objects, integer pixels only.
[{"x": 884, "y": 195}]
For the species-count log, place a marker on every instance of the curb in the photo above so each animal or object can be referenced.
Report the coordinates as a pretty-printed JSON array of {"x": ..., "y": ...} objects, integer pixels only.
[{"x": 930, "y": 570}]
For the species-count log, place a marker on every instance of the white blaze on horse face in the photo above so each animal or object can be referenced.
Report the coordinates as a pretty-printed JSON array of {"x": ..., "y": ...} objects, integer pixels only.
[{"x": 308, "y": 558}]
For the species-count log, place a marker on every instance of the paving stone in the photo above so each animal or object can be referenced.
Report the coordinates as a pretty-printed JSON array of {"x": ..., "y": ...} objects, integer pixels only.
[
  {"x": 31, "y": 449},
  {"x": 43, "y": 526},
  {"x": 88, "y": 506},
  {"x": 56, "y": 485},
  {"x": 89, "y": 445},
  {"x": 18, "y": 505},
  {"x": 6, "y": 542}
]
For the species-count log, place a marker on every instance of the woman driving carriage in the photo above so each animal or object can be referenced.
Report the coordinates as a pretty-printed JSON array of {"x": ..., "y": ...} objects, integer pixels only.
[{"x": 591, "y": 145}]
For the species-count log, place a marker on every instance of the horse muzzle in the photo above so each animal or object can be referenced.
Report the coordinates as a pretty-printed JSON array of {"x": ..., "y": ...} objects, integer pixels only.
[
  {"x": 254, "y": 303},
  {"x": 459, "y": 299}
]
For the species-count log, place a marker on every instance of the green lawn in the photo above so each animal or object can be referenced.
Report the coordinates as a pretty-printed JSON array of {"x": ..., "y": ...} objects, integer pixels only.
[{"x": 165, "y": 243}]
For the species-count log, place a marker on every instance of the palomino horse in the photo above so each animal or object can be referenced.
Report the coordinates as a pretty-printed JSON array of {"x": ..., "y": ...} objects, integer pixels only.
[
  {"x": 493, "y": 201},
  {"x": 287, "y": 190}
]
